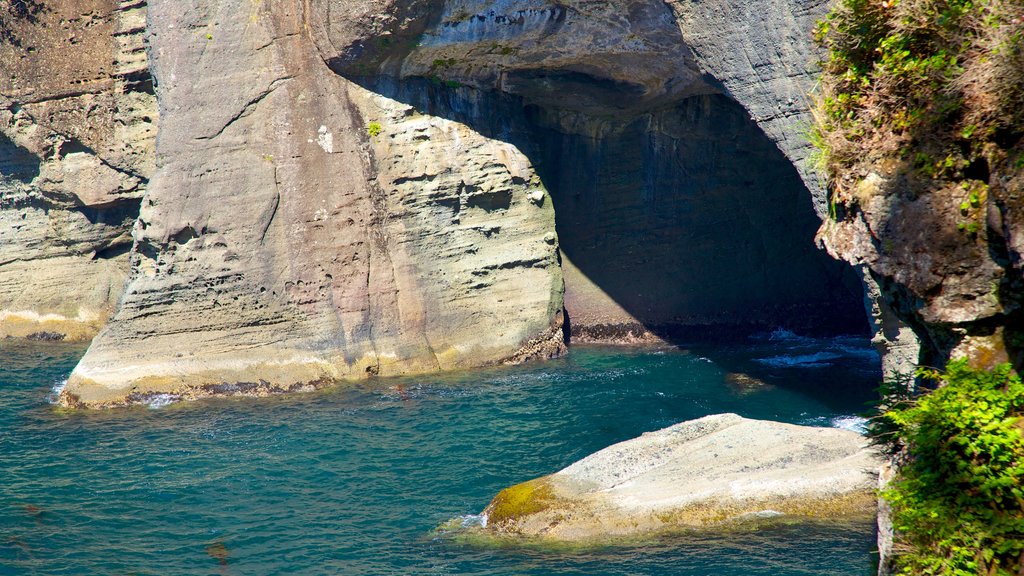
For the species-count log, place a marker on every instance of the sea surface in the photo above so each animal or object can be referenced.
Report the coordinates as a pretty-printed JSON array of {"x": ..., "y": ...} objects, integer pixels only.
[{"x": 356, "y": 480}]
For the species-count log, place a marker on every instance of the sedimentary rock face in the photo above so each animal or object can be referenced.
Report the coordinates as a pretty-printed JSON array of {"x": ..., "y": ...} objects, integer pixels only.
[
  {"x": 276, "y": 250},
  {"x": 77, "y": 124},
  {"x": 348, "y": 189}
]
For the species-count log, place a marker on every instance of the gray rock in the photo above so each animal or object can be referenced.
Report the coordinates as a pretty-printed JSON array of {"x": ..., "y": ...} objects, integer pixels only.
[
  {"x": 281, "y": 246},
  {"x": 312, "y": 221}
]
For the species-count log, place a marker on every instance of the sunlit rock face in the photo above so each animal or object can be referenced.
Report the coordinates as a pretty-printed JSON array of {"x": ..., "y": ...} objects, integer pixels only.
[
  {"x": 719, "y": 471},
  {"x": 77, "y": 125},
  {"x": 348, "y": 189},
  {"x": 283, "y": 244}
]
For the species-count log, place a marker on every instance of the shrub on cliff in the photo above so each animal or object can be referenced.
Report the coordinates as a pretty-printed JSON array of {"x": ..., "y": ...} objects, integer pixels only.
[
  {"x": 931, "y": 91},
  {"x": 958, "y": 496}
]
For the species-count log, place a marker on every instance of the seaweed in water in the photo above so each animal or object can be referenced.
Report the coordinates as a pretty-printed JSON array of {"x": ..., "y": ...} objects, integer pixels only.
[{"x": 218, "y": 551}]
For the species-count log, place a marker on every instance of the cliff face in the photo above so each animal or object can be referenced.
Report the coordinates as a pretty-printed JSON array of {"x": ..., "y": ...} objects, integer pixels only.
[
  {"x": 961, "y": 292},
  {"x": 661, "y": 182},
  {"x": 357, "y": 188},
  {"x": 281, "y": 245},
  {"x": 77, "y": 124},
  {"x": 926, "y": 166}
]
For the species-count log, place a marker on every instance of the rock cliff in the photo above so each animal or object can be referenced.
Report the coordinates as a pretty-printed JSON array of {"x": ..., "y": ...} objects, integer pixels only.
[
  {"x": 629, "y": 112},
  {"x": 77, "y": 124},
  {"x": 927, "y": 176},
  {"x": 347, "y": 188},
  {"x": 300, "y": 230}
]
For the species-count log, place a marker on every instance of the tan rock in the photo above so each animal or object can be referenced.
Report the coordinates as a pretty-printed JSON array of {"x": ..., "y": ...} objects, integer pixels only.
[
  {"x": 77, "y": 126},
  {"x": 283, "y": 245}
]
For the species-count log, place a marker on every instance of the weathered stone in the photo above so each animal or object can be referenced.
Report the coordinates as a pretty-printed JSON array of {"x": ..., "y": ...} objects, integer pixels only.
[
  {"x": 695, "y": 474},
  {"x": 77, "y": 125},
  {"x": 348, "y": 189},
  {"x": 959, "y": 287},
  {"x": 282, "y": 242},
  {"x": 663, "y": 185}
]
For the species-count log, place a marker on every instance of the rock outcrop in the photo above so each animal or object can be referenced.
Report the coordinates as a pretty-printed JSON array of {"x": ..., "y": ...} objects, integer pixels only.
[
  {"x": 695, "y": 474},
  {"x": 301, "y": 230},
  {"x": 349, "y": 189},
  {"x": 960, "y": 291},
  {"x": 77, "y": 124},
  {"x": 628, "y": 110}
]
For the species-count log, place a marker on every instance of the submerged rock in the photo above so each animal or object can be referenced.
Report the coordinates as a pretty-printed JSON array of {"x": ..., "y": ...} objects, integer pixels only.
[{"x": 695, "y": 474}]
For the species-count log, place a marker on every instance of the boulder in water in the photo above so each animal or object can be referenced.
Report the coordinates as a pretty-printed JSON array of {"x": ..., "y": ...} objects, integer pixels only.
[{"x": 701, "y": 473}]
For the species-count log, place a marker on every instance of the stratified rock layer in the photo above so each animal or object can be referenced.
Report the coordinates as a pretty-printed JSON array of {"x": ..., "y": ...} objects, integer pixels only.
[
  {"x": 301, "y": 230},
  {"x": 341, "y": 193},
  {"x": 677, "y": 214},
  {"x": 695, "y": 474},
  {"x": 77, "y": 125}
]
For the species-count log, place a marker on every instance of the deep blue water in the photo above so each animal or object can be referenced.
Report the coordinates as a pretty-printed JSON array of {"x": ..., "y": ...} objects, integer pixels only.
[{"x": 354, "y": 480}]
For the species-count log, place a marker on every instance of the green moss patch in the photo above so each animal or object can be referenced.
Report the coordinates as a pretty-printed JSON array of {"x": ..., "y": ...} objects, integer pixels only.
[{"x": 519, "y": 501}]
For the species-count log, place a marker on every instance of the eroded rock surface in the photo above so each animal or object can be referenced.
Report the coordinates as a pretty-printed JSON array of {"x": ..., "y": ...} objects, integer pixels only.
[
  {"x": 958, "y": 284},
  {"x": 77, "y": 126},
  {"x": 700, "y": 473},
  {"x": 301, "y": 230},
  {"x": 663, "y": 185},
  {"x": 348, "y": 189}
]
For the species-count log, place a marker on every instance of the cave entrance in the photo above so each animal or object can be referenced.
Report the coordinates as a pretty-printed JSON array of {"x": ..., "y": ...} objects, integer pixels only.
[{"x": 675, "y": 221}]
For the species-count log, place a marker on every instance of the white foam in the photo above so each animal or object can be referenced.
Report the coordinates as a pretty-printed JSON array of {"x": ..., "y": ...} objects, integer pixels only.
[
  {"x": 157, "y": 401},
  {"x": 816, "y": 360},
  {"x": 851, "y": 423},
  {"x": 783, "y": 334},
  {"x": 54, "y": 396},
  {"x": 471, "y": 520}
]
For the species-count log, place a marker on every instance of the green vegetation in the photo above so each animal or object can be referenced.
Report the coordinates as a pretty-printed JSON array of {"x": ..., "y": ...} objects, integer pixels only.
[
  {"x": 520, "y": 500},
  {"x": 443, "y": 63},
  {"x": 958, "y": 496},
  {"x": 928, "y": 89},
  {"x": 374, "y": 129}
]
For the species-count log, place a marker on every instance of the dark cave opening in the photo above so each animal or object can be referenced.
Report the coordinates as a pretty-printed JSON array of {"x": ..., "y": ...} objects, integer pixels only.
[{"x": 682, "y": 221}]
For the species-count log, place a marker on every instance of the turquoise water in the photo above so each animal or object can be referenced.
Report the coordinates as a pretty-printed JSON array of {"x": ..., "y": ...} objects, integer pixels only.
[{"x": 354, "y": 480}]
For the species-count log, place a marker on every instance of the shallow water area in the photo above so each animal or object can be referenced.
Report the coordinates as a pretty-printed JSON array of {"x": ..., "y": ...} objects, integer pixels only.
[{"x": 354, "y": 480}]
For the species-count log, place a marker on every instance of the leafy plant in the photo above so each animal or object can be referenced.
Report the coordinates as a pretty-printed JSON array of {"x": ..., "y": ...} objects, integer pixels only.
[
  {"x": 374, "y": 129},
  {"x": 958, "y": 496},
  {"x": 931, "y": 85}
]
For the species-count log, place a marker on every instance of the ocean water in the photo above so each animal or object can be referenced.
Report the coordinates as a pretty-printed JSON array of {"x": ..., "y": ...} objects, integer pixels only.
[{"x": 354, "y": 480}]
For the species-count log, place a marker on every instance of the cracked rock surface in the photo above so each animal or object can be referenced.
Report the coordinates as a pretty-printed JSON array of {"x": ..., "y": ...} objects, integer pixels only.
[
  {"x": 280, "y": 246},
  {"x": 304, "y": 226}
]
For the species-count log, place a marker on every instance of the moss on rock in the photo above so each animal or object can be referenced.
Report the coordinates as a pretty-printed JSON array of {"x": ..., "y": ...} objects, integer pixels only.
[{"x": 517, "y": 502}]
